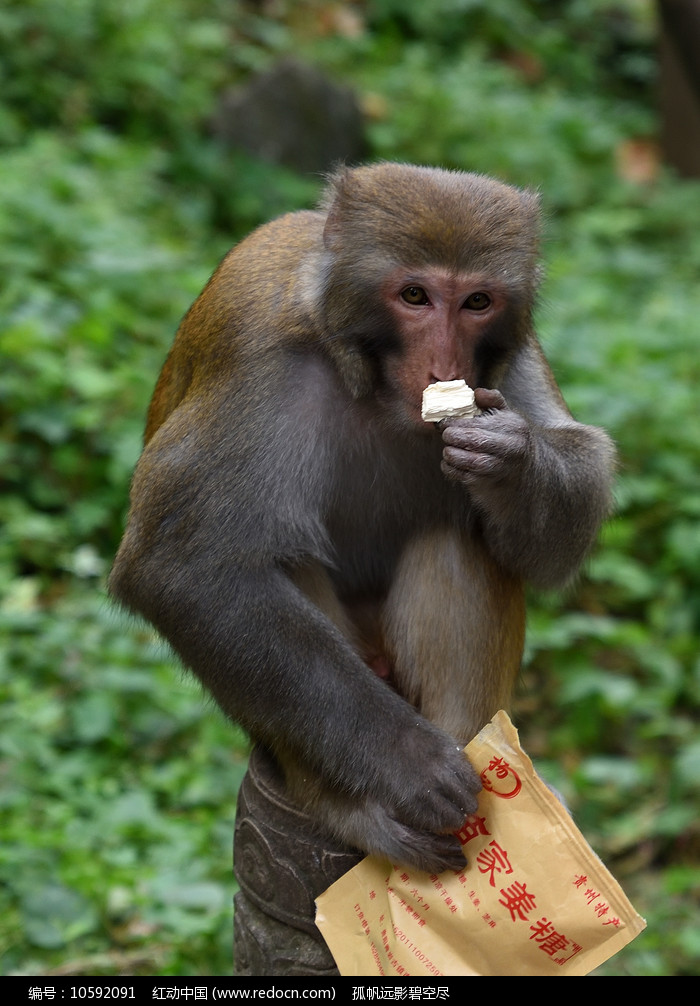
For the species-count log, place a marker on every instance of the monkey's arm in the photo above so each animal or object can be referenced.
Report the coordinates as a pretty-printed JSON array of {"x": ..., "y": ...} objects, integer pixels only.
[
  {"x": 540, "y": 481},
  {"x": 223, "y": 508}
]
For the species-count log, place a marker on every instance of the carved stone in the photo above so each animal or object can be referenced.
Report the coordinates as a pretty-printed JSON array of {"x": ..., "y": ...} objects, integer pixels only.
[{"x": 282, "y": 865}]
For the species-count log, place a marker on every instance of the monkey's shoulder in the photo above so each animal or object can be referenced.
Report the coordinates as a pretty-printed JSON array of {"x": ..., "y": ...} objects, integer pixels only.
[
  {"x": 263, "y": 294},
  {"x": 274, "y": 247}
]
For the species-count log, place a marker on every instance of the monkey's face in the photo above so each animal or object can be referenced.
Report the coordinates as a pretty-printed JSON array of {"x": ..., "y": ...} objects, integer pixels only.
[{"x": 443, "y": 321}]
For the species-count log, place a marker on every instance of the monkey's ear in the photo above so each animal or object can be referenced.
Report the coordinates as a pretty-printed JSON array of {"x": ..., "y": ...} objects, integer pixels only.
[{"x": 334, "y": 197}]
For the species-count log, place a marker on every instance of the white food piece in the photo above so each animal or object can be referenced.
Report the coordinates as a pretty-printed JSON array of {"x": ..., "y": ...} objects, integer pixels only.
[{"x": 448, "y": 398}]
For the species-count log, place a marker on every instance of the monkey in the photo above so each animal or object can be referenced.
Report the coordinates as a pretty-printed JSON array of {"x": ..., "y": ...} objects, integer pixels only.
[{"x": 345, "y": 579}]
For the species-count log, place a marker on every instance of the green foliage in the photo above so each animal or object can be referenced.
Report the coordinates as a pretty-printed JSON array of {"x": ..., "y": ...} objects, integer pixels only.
[
  {"x": 115, "y": 205},
  {"x": 146, "y": 68},
  {"x": 93, "y": 276},
  {"x": 588, "y": 44},
  {"x": 127, "y": 835}
]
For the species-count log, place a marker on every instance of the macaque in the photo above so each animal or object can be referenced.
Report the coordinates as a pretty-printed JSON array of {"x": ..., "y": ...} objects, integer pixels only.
[{"x": 345, "y": 578}]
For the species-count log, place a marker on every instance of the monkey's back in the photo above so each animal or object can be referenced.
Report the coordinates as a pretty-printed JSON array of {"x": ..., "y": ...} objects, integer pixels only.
[{"x": 243, "y": 309}]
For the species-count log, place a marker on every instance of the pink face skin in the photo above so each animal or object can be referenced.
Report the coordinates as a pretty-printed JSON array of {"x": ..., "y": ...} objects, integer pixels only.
[{"x": 441, "y": 318}]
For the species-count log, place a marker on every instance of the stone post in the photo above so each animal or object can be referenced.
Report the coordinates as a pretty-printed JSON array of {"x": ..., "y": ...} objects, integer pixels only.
[{"x": 282, "y": 864}]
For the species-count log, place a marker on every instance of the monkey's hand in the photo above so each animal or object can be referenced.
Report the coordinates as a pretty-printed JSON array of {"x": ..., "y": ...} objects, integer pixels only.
[
  {"x": 433, "y": 789},
  {"x": 489, "y": 454},
  {"x": 535, "y": 482},
  {"x": 426, "y": 789}
]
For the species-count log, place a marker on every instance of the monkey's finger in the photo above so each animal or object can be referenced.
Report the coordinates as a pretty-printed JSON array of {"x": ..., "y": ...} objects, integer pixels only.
[
  {"x": 489, "y": 398},
  {"x": 483, "y": 441},
  {"x": 458, "y": 464},
  {"x": 443, "y": 807},
  {"x": 386, "y": 835},
  {"x": 503, "y": 432},
  {"x": 428, "y": 852},
  {"x": 445, "y": 810}
]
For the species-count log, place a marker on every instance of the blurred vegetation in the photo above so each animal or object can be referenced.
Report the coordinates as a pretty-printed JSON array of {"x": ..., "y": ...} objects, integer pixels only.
[{"x": 118, "y": 779}]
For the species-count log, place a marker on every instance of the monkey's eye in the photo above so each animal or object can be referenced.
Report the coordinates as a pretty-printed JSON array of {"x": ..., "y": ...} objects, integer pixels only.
[
  {"x": 415, "y": 295},
  {"x": 477, "y": 301}
]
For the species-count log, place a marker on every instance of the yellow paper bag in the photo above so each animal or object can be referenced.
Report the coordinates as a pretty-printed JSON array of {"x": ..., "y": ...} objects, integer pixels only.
[{"x": 533, "y": 899}]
